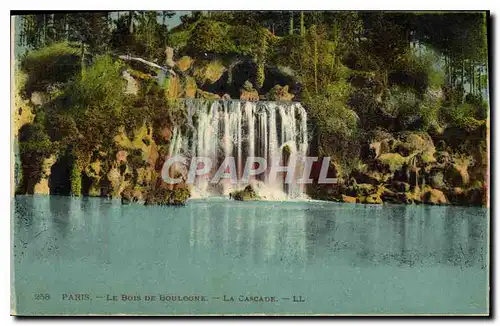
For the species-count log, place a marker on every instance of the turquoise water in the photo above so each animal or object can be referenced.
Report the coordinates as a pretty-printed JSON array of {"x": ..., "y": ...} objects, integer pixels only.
[{"x": 329, "y": 258}]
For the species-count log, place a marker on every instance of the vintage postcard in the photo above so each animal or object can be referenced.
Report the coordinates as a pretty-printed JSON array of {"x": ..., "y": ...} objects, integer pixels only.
[{"x": 250, "y": 163}]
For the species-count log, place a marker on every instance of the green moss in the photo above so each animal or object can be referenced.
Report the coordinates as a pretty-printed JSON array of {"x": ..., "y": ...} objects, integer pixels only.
[
  {"x": 180, "y": 196},
  {"x": 393, "y": 160},
  {"x": 209, "y": 72},
  {"x": 163, "y": 196},
  {"x": 76, "y": 180}
]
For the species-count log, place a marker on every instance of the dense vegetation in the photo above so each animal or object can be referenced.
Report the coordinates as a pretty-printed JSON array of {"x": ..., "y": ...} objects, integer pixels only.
[{"x": 378, "y": 87}]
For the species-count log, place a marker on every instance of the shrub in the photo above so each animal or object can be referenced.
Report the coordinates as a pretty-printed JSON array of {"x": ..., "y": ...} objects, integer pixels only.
[
  {"x": 480, "y": 106},
  {"x": 462, "y": 116},
  {"x": 100, "y": 85},
  {"x": 34, "y": 147},
  {"x": 403, "y": 105},
  {"x": 53, "y": 64},
  {"x": 245, "y": 39},
  {"x": 337, "y": 129},
  {"x": 210, "y": 36},
  {"x": 418, "y": 71}
]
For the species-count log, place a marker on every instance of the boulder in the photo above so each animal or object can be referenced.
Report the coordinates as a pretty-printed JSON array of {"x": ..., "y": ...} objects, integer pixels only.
[
  {"x": 163, "y": 196},
  {"x": 279, "y": 93},
  {"x": 190, "y": 87},
  {"x": 121, "y": 156},
  {"x": 372, "y": 199},
  {"x": 368, "y": 176},
  {"x": 184, "y": 63},
  {"x": 392, "y": 161},
  {"x": 435, "y": 197},
  {"x": 249, "y": 96},
  {"x": 348, "y": 199},
  {"x": 399, "y": 186},
  {"x": 436, "y": 179},
  {"x": 456, "y": 174},
  {"x": 209, "y": 72},
  {"x": 246, "y": 194},
  {"x": 166, "y": 133},
  {"x": 206, "y": 95},
  {"x": 169, "y": 57}
]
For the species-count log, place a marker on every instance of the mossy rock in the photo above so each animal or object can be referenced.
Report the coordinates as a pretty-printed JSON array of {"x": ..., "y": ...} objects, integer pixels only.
[
  {"x": 173, "y": 88},
  {"x": 163, "y": 196},
  {"x": 361, "y": 190},
  {"x": 435, "y": 197},
  {"x": 399, "y": 186},
  {"x": 368, "y": 176},
  {"x": 456, "y": 174},
  {"x": 209, "y": 73},
  {"x": 249, "y": 95},
  {"x": 373, "y": 199},
  {"x": 426, "y": 157},
  {"x": 184, "y": 63},
  {"x": 206, "y": 95},
  {"x": 190, "y": 87},
  {"x": 397, "y": 197},
  {"x": 136, "y": 74},
  {"x": 127, "y": 195},
  {"x": 436, "y": 179},
  {"x": 392, "y": 161},
  {"x": 279, "y": 93},
  {"x": 246, "y": 194},
  {"x": 348, "y": 199}
]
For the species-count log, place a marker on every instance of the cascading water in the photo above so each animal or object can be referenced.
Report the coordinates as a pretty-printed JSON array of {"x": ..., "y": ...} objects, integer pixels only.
[{"x": 275, "y": 131}]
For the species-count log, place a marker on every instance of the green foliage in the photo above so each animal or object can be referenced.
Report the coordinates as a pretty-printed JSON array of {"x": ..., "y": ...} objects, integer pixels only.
[
  {"x": 429, "y": 112},
  {"x": 463, "y": 116},
  {"x": 76, "y": 179},
  {"x": 178, "y": 39},
  {"x": 34, "y": 147},
  {"x": 246, "y": 39},
  {"x": 210, "y": 37},
  {"x": 420, "y": 70},
  {"x": 480, "y": 106},
  {"x": 49, "y": 66},
  {"x": 100, "y": 85},
  {"x": 403, "y": 105},
  {"x": 337, "y": 128}
]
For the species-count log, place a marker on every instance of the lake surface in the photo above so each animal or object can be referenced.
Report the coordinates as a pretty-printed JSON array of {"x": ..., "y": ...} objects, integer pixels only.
[{"x": 302, "y": 257}]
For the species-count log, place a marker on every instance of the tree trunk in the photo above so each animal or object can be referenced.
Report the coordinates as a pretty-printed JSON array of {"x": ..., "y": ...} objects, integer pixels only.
[
  {"x": 471, "y": 78},
  {"x": 462, "y": 78},
  {"x": 290, "y": 28},
  {"x": 315, "y": 62},
  {"x": 131, "y": 22},
  {"x": 479, "y": 82},
  {"x": 302, "y": 27},
  {"x": 44, "y": 29},
  {"x": 82, "y": 62}
]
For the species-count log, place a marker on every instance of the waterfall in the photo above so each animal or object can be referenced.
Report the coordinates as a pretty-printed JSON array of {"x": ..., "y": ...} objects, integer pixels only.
[{"x": 240, "y": 129}]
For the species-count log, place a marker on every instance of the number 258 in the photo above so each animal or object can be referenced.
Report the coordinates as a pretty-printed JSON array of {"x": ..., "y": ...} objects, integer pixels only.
[{"x": 42, "y": 296}]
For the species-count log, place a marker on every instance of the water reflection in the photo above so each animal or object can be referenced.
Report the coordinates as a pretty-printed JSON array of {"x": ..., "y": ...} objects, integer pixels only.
[
  {"x": 359, "y": 235},
  {"x": 250, "y": 233}
]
